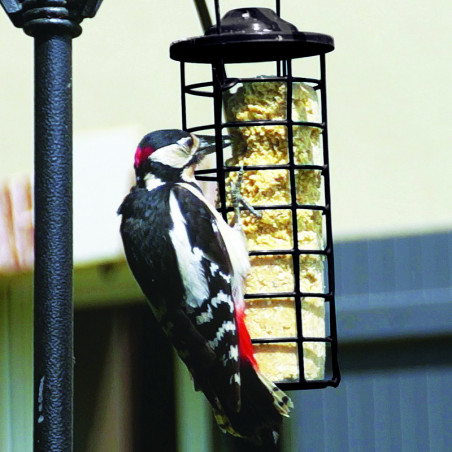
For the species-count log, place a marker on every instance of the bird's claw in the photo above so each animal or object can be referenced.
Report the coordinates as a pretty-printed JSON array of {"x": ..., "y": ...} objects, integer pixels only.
[{"x": 238, "y": 200}]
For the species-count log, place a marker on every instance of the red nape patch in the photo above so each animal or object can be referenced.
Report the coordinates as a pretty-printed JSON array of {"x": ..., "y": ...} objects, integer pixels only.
[
  {"x": 141, "y": 154},
  {"x": 245, "y": 346}
]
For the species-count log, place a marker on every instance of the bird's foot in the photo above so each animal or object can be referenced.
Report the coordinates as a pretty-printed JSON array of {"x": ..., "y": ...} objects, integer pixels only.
[{"x": 239, "y": 201}]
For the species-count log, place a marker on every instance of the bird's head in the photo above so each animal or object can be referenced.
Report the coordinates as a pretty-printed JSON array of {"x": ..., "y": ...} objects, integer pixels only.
[{"x": 169, "y": 154}]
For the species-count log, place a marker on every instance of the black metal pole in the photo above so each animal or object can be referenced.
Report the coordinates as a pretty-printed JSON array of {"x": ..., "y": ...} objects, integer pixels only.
[
  {"x": 53, "y": 24},
  {"x": 53, "y": 307}
]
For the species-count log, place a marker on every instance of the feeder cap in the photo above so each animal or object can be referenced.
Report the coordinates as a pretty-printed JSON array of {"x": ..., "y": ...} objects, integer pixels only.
[
  {"x": 252, "y": 20},
  {"x": 249, "y": 35}
]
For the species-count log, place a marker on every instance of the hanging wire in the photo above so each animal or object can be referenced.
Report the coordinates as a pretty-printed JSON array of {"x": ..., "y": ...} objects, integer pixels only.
[{"x": 203, "y": 14}]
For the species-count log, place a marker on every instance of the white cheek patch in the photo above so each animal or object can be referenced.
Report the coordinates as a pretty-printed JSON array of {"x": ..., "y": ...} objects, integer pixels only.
[
  {"x": 188, "y": 260},
  {"x": 173, "y": 155}
]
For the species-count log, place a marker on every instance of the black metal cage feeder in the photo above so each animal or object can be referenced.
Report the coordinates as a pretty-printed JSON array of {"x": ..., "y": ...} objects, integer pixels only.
[{"x": 308, "y": 356}]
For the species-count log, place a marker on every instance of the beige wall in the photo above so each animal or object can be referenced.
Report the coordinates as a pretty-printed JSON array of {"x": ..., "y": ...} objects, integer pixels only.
[{"x": 389, "y": 99}]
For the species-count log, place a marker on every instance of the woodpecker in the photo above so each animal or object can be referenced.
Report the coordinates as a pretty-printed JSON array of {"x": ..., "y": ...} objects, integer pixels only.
[{"x": 191, "y": 266}]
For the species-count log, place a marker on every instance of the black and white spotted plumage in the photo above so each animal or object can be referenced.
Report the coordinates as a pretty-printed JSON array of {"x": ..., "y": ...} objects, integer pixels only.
[{"x": 191, "y": 266}]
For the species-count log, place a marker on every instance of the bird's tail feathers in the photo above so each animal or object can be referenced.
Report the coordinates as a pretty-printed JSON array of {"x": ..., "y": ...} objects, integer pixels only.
[
  {"x": 281, "y": 400},
  {"x": 263, "y": 405},
  {"x": 224, "y": 423}
]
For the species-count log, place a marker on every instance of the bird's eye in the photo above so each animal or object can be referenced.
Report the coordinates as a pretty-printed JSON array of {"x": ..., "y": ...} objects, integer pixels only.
[{"x": 186, "y": 144}]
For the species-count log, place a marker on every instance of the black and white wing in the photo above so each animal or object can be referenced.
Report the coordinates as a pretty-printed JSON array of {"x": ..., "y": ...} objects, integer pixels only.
[{"x": 206, "y": 270}]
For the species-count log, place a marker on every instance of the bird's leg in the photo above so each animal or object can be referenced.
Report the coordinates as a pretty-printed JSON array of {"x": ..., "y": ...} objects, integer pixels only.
[{"x": 238, "y": 199}]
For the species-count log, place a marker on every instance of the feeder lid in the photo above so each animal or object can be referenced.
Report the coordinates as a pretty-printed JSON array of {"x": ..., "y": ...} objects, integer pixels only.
[{"x": 251, "y": 35}]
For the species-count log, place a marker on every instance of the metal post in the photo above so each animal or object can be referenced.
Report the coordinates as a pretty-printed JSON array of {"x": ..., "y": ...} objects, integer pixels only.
[
  {"x": 53, "y": 311},
  {"x": 53, "y": 24}
]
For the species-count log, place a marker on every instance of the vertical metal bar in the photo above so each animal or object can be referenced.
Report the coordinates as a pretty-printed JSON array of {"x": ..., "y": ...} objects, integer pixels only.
[
  {"x": 218, "y": 76},
  {"x": 329, "y": 233},
  {"x": 294, "y": 210},
  {"x": 53, "y": 307},
  {"x": 182, "y": 96},
  {"x": 217, "y": 15}
]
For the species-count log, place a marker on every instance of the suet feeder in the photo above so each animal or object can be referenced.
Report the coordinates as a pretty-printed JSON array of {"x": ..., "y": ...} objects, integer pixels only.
[{"x": 277, "y": 122}]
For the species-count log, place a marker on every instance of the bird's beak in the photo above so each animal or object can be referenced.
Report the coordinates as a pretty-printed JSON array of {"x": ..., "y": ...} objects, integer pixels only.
[{"x": 207, "y": 144}]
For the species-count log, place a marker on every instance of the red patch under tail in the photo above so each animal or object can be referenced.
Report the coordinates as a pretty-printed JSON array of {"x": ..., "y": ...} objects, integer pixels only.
[{"x": 245, "y": 346}]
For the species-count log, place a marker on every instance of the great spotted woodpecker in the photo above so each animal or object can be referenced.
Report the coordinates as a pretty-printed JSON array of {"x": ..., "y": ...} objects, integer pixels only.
[{"x": 191, "y": 265}]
